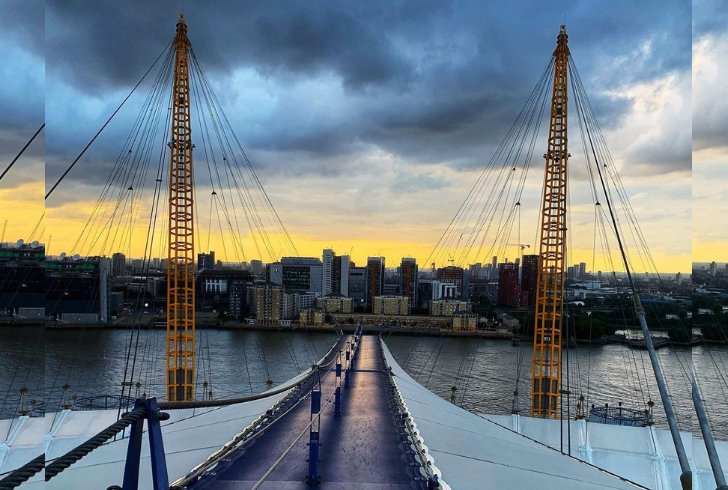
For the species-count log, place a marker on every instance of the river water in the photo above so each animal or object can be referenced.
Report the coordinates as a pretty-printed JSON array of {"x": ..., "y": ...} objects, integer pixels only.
[{"x": 237, "y": 363}]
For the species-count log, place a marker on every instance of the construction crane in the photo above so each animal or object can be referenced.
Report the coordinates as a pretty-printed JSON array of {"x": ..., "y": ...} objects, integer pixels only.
[
  {"x": 2, "y": 239},
  {"x": 546, "y": 364},
  {"x": 181, "y": 246}
]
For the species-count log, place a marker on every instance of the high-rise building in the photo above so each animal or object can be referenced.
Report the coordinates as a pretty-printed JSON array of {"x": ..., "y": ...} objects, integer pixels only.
[
  {"x": 335, "y": 278},
  {"x": 678, "y": 278},
  {"x": 453, "y": 275},
  {"x": 571, "y": 273},
  {"x": 494, "y": 263},
  {"x": 713, "y": 268},
  {"x": 357, "y": 283},
  {"x": 374, "y": 278},
  {"x": 328, "y": 266},
  {"x": 118, "y": 264},
  {"x": 476, "y": 270},
  {"x": 256, "y": 267},
  {"x": 409, "y": 275},
  {"x": 206, "y": 261},
  {"x": 582, "y": 270},
  {"x": 529, "y": 280},
  {"x": 340, "y": 275},
  {"x": 300, "y": 274},
  {"x": 269, "y": 303},
  {"x": 508, "y": 289}
]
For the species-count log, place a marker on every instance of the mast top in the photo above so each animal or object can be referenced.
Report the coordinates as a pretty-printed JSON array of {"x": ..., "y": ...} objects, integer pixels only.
[
  {"x": 181, "y": 37},
  {"x": 562, "y": 42}
]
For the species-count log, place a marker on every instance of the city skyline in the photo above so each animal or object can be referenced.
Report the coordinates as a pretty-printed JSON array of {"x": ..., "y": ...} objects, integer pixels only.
[{"x": 379, "y": 174}]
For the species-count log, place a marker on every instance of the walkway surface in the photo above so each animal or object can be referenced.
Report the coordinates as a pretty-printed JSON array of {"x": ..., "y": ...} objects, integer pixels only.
[{"x": 361, "y": 448}]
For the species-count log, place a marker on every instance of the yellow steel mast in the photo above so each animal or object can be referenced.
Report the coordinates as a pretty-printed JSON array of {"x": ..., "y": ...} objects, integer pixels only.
[
  {"x": 181, "y": 243},
  {"x": 546, "y": 370}
]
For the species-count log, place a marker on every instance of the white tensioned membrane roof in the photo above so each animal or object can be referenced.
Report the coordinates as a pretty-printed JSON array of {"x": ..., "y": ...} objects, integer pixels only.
[
  {"x": 470, "y": 451},
  {"x": 475, "y": 453},
  {"x": 189, "y": 436},
  {"x": 641, "y": 454}
]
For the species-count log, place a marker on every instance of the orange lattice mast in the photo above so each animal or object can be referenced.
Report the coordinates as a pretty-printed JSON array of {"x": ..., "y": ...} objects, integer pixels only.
[
  {"x": 546, "y": 370},
  {"x": 181, "y": 243}
]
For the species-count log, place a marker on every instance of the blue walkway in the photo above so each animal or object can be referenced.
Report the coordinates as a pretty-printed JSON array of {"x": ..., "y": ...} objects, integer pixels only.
[{"x": 363, "y": 448}]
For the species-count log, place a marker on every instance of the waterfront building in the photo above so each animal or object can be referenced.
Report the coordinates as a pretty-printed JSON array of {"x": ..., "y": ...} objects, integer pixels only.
[
  {"x": 312, "y": 317},
  {"x": 269, "y": 303},
  {"x": 22, "y": 279},
  {"x": 239, "y": 300},
  {"x": 448, "y": 307},
  {"x": 391, "y": 305},
  {"x": 374, "y": 277},
  {"x": 77, "y": 289},
  {"x": 464, "y": 322},
  {"x": 335, "y": 303}
]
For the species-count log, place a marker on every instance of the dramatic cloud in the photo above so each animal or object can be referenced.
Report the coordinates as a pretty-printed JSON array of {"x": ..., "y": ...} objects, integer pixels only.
[
  {"x": 22, "y": 78},
  {"x": 321, "y": 95},
  {"x": 710, "y": 131}
]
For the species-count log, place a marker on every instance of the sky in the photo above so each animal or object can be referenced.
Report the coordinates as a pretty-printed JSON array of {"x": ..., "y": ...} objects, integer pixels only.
[
  {"x": 710, "y": 132},
  {"x": 368, "y": 122},
  {"x": 22, "y": 99}
]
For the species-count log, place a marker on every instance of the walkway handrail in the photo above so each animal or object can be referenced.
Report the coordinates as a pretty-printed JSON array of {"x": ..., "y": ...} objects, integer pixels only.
[
  {"x": 250, "y": 431},
  {"x": 411, "y": 429},
  {"x": 74, "y": 455}
]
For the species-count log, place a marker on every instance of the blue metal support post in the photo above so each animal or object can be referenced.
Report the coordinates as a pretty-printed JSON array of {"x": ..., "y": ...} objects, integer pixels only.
[
  {"x": 337, "y": 394},
  {"x": 314, "y": 443},
  {"x": 134, "y": 451},
  {"x": 160, "y": 478}
]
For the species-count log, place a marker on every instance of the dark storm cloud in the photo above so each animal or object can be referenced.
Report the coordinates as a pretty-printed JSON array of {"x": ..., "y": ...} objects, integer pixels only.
[
  {"x": 21, "y": 91},
  {"x": 22, "y": 23},
  {"x": 21, "y": 68},
  {"x": 428, "y": 81}
]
